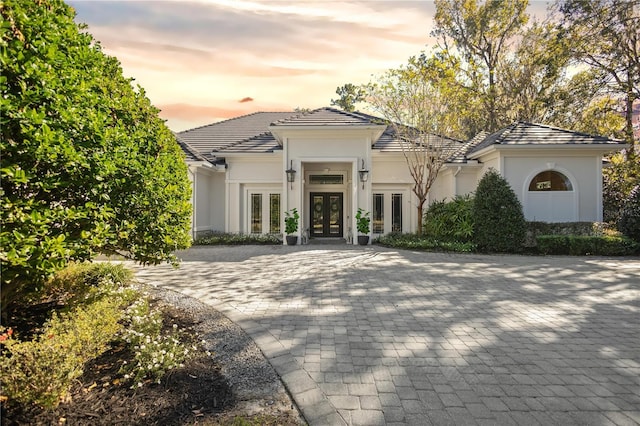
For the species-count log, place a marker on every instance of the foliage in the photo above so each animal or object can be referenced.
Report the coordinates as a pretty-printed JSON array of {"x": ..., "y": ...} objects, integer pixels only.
[
  {"x": 594, "y": 229},
  {"x": 97, "y": 308},
  {"x": 233, "y": 239},
  {"x": 604, "y": 34},
  {"x": 87, "y": 165},
  {"x": 41, "y": 371},
  {"x": 479, "y": 35},
  {"x": 450, "y": 221},
  {"x": 420, "y": 242},
  {"x": 620, "y": 177},
  {"x": 362, "y": 222},
  {"x": 411, "y": 99},
  {"x": 350, "y": 95},
  {"x": 578, "y": 245},
  {"x": 499, "y": 224},
  {"x": 291, "y": 219},
  {"x": 155, "y": 352},
  {"x": 629, "y": 223}
]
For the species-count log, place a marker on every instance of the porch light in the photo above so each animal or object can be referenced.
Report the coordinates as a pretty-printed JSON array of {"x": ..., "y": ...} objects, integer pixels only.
[
  {"x": 364, "y": 174},
  {"x": 291, "y": 174}
]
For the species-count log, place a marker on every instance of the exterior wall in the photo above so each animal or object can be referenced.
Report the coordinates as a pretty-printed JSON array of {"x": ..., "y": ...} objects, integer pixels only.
[{"x": 584, "y": 203}]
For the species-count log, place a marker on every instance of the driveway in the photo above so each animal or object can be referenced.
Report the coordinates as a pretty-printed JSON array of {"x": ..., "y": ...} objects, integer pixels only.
[{"x": 368, "y": 336}]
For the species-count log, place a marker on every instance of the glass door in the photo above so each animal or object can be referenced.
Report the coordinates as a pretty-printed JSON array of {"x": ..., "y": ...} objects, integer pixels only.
[{"x": 326, "y": 214}]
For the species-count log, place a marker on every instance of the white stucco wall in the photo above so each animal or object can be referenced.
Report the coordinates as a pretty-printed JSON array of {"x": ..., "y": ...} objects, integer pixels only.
[{"x": 582, "y": 204}]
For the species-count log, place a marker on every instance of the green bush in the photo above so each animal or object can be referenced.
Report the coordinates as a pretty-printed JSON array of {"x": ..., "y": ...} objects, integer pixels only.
[
  {"x": 629, "y": 223},
  {"x": 593, "y": 229},
  {"x": 450, "y": 221},
  {"x": 499, "y": 224},
  {"x": 417, "y": 242},
  {"x": 230, "y": 239},
  {"x": 587, "y": 245},
  {"x": 41, "y": 371}
]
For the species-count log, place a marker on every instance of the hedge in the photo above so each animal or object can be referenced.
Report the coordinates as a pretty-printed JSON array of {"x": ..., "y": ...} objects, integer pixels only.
[{"x": 587, "y": 245}]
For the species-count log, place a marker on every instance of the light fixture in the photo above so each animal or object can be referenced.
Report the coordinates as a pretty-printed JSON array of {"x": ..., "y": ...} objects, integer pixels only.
[
  {"x": 291, "y": 174},
  {"x": 364, "y": 174}
]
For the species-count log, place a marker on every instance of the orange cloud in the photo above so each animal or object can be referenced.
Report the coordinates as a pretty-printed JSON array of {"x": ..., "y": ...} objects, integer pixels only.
[{"x": 247, "y": 99}]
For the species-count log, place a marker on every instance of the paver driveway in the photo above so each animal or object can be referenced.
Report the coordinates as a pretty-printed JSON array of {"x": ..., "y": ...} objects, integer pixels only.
[{"x": 381, "y": 336}]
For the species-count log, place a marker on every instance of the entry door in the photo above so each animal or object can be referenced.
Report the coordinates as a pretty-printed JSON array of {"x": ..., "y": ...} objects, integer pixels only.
[{"x": 326, "y": 214}]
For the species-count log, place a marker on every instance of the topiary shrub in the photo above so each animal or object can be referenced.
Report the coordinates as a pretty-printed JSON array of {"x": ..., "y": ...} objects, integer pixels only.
[
  {"x": 629, "y": 223},
  {"x": 499, "y": 224},
  {"x": 450, "y": 221}
]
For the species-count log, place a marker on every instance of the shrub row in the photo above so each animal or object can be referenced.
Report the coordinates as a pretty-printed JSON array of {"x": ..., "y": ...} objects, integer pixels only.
[
  {"x": 415, "y": 242},
  {"x": 587, "y": 245},
  {"x": 231, "y": 239},
  {"x": 586, "y": 229}
]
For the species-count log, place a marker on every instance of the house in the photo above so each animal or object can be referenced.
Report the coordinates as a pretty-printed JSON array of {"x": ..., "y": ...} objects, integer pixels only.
[{"x": 248, "y": 171}]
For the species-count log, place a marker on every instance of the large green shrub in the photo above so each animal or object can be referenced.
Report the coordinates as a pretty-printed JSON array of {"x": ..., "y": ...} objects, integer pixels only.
[
  {"x": 450, "y": 221},
  {"x": 87, "y": 165},
  {"x": 629, "y": 223},
  {"x": 499, "y": 224}
]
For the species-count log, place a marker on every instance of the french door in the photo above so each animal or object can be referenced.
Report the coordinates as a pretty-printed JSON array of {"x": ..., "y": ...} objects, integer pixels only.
[{"x": 326, "y": 214}]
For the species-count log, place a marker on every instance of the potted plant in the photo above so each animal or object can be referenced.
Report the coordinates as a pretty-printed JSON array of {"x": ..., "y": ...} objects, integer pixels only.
[
  {"x": 362, "y": 224},
  {"x": 291, "y": 226}
]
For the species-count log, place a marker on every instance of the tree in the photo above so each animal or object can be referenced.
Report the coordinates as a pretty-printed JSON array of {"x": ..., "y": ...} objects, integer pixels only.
[
  {"x": 87, "y": 165},
  {"x": 605, "y": 34},
  {"x": 480, "y": 35},
  {"x": 499, "y": 224},
  {"x": 350, "y": 95},
  {"x": 409, "y": 99}
]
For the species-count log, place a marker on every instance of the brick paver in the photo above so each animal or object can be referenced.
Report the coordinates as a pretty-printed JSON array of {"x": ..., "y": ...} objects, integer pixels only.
[{"x": 374, "y": 335}]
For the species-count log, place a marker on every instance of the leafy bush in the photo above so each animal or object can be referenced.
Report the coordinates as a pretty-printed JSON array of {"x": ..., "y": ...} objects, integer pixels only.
[
  {"x": 450, "y": 221},
  {"x": 620, "y": 178},
  {"x": 42, "y": 370},
  {"x": 237, "y": 239},
  {"x": 87, "y": 164},
  {"x": 499, "y": 224},
  {"x": 629, "y": 223},
  {"x": 291, "y": 221},
  {"x": 587, "y": 245},
  {"x": 362, "y": 222},
  {"x": 417, "y": 242}
]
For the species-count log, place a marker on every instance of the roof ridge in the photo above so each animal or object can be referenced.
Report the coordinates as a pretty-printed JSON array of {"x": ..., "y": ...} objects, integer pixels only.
[{"x": 548, "y": 126}]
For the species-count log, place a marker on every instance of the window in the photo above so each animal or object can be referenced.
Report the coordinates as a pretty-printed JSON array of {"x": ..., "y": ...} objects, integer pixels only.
[
  {"x": 274, "y": 213},
  {"x": 326, "y": 179},
  {"x": 378, "y": 214},
  {"x": 550, "y": 180},
  {"x": 256, "y": 213},
  {"x": 396, "y": 213},
  {"x": 263, "y": 213}
]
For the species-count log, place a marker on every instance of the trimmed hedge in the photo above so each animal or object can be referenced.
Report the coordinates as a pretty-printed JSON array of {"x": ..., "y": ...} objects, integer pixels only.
[
  {"x": 576, "y": 245},
  {"x": 229, "y": 239},
  {"x": 586, "y": 229},
  {"x": 415, "y": 242}
]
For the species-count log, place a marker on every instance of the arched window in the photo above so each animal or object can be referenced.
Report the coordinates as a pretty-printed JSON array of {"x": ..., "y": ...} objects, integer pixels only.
[{"x": 550, "y": 180}]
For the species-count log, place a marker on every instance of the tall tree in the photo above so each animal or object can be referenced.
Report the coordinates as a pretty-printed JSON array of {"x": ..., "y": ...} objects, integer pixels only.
[
  {"x": 480, "y": 34},
  {"x": 350, "y": 94},
  {"x": 605, "y": 34},
  {"x": 410, "y": 100},
  {"x": 87, "y": 165}
]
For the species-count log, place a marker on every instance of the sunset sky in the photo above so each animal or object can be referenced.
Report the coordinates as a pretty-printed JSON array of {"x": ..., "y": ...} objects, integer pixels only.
[{"x": 206, "y": 61}]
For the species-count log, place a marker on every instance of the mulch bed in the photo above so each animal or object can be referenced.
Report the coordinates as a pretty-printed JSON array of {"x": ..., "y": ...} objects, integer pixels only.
[{"x": 195, "y": 393}]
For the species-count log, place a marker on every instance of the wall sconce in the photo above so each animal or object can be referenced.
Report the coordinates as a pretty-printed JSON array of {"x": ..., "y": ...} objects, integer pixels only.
[
  {"x": 291, "y": 174},
  {"x": 364, "y": 174}
]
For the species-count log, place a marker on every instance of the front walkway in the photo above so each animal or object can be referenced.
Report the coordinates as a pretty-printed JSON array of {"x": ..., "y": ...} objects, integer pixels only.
[{"x": 368, "y": 336}]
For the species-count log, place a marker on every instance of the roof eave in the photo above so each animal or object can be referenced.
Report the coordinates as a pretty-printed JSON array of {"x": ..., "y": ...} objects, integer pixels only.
[{"x": 598, "y": 147}]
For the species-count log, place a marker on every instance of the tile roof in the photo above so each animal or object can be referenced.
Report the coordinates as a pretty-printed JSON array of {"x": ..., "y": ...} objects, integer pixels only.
[
  {"x": 327, "y": 117},
  {"x": 523, "y": 133},
  {"x": 460, "y": 156},
  {"x": 236, "y": 131}
]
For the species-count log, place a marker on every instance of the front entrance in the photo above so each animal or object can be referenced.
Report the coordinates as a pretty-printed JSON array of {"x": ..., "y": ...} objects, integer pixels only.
[{"x": 326, "y": 214}]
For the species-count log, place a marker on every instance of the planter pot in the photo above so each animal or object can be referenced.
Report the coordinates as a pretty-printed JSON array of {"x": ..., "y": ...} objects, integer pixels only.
[
  {"x": 363, "y": 240},
  {"x": 292, "y": 240}
]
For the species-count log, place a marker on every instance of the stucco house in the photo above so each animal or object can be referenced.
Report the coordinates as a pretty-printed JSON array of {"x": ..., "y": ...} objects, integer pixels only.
[{"x": 248, "y": 171}]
